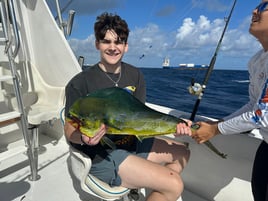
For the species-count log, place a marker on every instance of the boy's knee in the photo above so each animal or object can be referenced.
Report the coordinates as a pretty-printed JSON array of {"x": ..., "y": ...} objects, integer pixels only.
[{"x": 176, "y": 188}]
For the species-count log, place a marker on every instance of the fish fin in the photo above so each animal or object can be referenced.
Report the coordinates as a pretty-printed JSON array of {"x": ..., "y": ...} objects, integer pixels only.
[
  {"x": 107, "y": 141},
  {"x": 140, "y": 138},
  {"x": 112, "y": 126},
  {"x": 109, "y": 124}
]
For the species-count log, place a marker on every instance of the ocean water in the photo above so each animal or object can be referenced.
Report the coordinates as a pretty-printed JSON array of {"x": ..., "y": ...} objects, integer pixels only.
[{"x": 226, "y": 91}]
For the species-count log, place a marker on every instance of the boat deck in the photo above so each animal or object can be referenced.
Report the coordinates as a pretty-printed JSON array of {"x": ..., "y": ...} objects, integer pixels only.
[
  {"x": 206, "y": 177},
  {"x": 55, "y": 183}
]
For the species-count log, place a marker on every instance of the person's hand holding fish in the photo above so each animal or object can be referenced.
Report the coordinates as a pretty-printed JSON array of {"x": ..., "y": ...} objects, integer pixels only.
[
  {"x": 206, "y": 131},
  {"x": 184, "y": 129},
  {"x": 96, "y": 138}
]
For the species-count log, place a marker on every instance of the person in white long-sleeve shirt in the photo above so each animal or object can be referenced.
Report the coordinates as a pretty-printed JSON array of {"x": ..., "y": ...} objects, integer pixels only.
[{"x": 255, "y": 113}]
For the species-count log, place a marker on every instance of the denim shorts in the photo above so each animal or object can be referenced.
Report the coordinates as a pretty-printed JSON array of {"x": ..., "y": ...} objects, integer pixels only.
[{"x": 107, "y": 169}]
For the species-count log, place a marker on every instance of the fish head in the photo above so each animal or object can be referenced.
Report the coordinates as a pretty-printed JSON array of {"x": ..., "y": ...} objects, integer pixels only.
[
  {"x": 87, "y": 114},
  {"x": 86, "y": 125}
]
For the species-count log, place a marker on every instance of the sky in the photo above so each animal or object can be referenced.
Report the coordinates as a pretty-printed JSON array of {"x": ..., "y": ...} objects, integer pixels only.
[{"x": 185, "y": 31}]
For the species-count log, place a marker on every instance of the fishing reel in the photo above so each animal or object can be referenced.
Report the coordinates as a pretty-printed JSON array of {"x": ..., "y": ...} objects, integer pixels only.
[{"x": 195, "y": 88}]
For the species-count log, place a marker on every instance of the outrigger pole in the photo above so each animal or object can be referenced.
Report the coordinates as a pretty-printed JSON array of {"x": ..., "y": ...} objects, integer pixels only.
[{"x": 211, "y": 66}]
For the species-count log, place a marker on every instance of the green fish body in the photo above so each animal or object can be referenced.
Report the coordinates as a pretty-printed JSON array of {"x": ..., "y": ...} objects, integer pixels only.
[
  {"x": 121, "y": 112},
  {"x": 124, "y": 115}
]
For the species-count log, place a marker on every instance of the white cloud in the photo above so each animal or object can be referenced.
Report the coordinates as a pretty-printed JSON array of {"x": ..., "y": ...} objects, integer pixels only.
[
  {"x": 85, "y": 48},
  {"x": 193, "y": 42},
  {"x": 201, "y": 33}
]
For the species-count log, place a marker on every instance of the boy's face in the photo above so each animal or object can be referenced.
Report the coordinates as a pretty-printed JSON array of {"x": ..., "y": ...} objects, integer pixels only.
[{"x": 111, "y": 48}]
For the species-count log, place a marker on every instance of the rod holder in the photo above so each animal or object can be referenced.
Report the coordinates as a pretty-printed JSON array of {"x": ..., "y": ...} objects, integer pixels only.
[{"x": 69, "y": 25}]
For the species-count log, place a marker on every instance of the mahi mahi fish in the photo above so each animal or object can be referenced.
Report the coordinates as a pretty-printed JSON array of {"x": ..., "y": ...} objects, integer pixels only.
[{"x": 124, "y": 115}]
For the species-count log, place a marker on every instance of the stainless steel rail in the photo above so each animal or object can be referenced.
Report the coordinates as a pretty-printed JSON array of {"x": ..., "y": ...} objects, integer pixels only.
[{"x": 10, "y": 30}]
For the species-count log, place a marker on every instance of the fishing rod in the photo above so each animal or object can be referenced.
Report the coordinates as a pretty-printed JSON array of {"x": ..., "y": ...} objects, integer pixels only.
[{"x": 201, "y": 91}]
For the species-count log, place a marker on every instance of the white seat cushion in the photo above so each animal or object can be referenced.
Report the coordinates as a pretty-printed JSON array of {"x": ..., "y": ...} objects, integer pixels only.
[{"x": 104, "y": 190}]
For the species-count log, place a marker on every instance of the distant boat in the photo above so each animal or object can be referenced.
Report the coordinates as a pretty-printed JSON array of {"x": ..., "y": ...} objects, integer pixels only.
[
  {"x": 165, "y": 63},
  {"x": 184, "y": 66}
]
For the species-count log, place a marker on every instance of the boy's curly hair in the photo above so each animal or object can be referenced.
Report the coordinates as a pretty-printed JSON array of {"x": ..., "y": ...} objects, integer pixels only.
[{"x": 109, "y": 21}]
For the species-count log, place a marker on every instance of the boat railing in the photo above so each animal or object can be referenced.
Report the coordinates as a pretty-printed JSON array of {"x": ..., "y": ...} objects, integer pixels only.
[
  {"x": 65, "y": 26},
  {"x": 13, "y": 23},
  {"x": 10, "y": 31}
]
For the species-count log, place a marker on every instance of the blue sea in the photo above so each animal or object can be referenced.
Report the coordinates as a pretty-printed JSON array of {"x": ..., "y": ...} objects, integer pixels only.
[{"x": 226, "y": 91}]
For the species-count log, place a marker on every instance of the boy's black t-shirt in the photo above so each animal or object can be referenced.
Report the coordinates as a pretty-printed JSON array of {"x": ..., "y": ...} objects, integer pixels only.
[{"x": 93, "y": 78}]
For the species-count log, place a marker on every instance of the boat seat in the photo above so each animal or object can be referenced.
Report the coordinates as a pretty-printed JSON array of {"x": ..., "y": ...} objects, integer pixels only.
[
  {"x": 45, "y": 110},
  {"x": 80, "y": 166}
]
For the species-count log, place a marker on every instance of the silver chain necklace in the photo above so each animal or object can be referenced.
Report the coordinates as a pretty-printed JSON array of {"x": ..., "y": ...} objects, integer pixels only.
[{"x": 115, "y": 82}]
